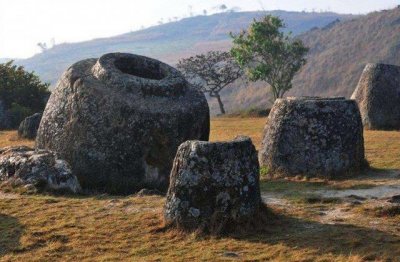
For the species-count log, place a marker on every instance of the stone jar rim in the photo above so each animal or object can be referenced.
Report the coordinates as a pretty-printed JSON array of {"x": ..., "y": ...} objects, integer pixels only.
[
  {"x": 315, "y": 98},
  {"x": 134, "y": 72}
]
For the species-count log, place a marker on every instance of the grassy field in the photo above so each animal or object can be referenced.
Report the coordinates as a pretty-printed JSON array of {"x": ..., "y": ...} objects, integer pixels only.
[
  {"x": 302, "y": 226},
  {"x": 10, "y": 138}
]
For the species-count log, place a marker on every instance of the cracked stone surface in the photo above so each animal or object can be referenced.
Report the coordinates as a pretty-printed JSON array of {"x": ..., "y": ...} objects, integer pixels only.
[
  {"x": 119, "y": 120},
  {"x": 213, "y": 185},
  {"x": 378, "y": 96},
  {"x": 41, "y": 169},
  {"x": 313, "y": 137}
]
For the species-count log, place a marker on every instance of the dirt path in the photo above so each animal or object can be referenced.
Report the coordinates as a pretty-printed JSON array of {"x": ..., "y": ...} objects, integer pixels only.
[
  {"x": 345, "y": 202},
  {"x": 370, "y": 193}
]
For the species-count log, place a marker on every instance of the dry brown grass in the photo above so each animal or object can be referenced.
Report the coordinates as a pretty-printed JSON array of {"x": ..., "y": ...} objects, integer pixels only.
[
  {"x": 10, "y": 138},
  {"x": 46, "y": 228},
  {"x": 228, "y": 128},
  {"x": 382, "y": 148},
  {"x": 110, "y": 228}
]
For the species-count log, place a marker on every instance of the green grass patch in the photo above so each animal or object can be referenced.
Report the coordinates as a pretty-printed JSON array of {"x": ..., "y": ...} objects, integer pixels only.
[{"x": 282, "y": 185}]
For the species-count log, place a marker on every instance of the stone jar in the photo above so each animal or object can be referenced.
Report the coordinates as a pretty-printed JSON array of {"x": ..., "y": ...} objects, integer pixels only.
[
  {"x": 312, "y": 136},
  {"x": 378, "y": 96},
  {"x": 29, "y": 126},
  {"x": 214, "y": 186},
  {"x": 118, "y": 120}
]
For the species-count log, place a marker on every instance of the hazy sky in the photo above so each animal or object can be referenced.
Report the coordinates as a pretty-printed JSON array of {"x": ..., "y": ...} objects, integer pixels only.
[{"x": 24, "y": 23}]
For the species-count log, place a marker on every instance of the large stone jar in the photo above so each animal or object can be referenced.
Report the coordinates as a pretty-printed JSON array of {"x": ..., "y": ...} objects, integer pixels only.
[
  {"x": 118, "y": 120},
  {"x": 378, "y": 96},
  {"x": 312, "y": 136}
]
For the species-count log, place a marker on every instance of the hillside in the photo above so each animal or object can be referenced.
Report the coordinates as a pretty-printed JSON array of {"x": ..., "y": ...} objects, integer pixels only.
[
  {"x": 338, "y": 54},
  {"x": 339, "y": 50},
  {"x": 168, "y": 42}
]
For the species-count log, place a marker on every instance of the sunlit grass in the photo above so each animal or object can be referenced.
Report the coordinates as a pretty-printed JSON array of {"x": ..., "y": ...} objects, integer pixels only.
[
  {"x": 112, "y": 228},
  {"x": 223, "y": 129},
  {"x": 382, "y": 148},
  {"x": 10, "y": 138},
  {"x": 50, "y": 228}
]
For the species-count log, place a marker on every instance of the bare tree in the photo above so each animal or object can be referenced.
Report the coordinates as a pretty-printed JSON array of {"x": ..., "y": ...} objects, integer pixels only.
[
  {"x": 211, "y": 72},
  {"x": 42, "y": 46},
  {"x": 223, "y": 7},
  {"x": 53, "y": 42},
  {"x": 190, "y": 10}
]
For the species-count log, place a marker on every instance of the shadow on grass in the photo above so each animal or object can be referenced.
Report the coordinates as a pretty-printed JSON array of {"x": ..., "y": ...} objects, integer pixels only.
[
  {"x": 10, "y": 233},
  {"x": 383, "y": 172},
  {"x": 337, "y": 239}
]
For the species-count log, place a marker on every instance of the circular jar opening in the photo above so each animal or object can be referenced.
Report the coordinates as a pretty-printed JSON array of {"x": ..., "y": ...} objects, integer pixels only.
[{"x": 140, "y": 67}]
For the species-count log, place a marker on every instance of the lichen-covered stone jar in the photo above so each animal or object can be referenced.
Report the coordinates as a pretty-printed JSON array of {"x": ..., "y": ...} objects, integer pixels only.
[
  {"x": 311, "y": 136},
  {"x": 214, "y": 186},
  {"x": 118, "y": 120}
]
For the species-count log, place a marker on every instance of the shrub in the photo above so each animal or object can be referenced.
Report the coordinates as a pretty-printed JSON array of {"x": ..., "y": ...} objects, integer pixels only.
[
  {"x": 17, "y": 113},
  {"x": 21, "y": 94}
]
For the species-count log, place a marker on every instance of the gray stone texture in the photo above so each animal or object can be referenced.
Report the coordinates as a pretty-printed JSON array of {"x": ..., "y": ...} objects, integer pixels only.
[
  {"x": 213, "y": 186},
  {"x": 119, "y": 120},
  {"x": 42, "y": 170},
  {"x": 312, "y": 136},
  {"x": 378, "y": 96},
  {"x": 29, "y": 126}
]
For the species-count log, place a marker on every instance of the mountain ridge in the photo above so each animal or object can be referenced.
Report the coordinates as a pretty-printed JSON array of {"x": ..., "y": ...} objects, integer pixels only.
[
  {"x": 168, "y": 42},
  {"x": 338, "y": 54}
]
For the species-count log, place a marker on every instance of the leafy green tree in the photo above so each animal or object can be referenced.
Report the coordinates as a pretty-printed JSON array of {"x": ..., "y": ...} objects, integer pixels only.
[
  {"x": 269, "y": 55},
  {"x": 211, "y": 72},
  {"x": 21, "y": 93}
]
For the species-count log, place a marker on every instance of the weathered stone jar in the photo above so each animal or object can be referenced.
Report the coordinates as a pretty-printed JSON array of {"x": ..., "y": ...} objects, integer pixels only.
[
  {"x": 29, "y": 126},
  {"x": 213, "y": 186},
  {"x": 118, "y": 120},
  {"x": 311, "y": 136},
  {"x": 378, "y": 96}
]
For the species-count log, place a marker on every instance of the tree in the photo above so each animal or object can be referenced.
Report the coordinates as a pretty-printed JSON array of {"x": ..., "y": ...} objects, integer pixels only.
[
  {"x": 21, "y": 92},
  {"x": 42, "y": 46},
  {"x": 222, "y": 7},
  {"x": 211, "y": 72},
  {"x": 190, "y": 10},
  {"x": 269, "y": 55}
]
